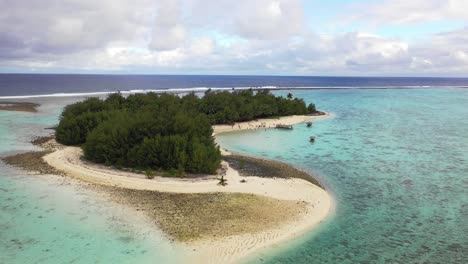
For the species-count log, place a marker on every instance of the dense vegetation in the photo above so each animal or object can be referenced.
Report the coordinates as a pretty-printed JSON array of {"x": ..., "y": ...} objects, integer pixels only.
[{"x": 164, "y": 132}]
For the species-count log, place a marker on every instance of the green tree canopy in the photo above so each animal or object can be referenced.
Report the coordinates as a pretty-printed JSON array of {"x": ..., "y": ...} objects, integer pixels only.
[{"x": 163, "y": 131}]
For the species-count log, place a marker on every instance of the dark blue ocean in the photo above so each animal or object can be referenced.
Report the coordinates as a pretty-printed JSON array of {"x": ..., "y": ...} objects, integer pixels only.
[{"x": 43, "y": 84}]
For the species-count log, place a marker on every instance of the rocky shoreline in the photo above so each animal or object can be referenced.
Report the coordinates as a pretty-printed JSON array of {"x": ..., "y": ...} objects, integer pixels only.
[
  {"x": 247, "y": 165},
  {"x": 216, "y": 215},
  {"x": 189, "y": 217},
  {"x": 19, "y": 106},
  {"x": 33, "y": 161}
]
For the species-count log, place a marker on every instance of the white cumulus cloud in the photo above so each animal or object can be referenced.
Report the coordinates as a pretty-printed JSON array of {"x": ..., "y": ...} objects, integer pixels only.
[{"x": 226, "y": 37}]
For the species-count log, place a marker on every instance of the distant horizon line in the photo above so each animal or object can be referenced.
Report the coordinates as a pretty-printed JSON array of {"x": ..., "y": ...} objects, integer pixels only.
[
  {"x": 198, "y": 90},
  {"x": 233, "y": 75}
]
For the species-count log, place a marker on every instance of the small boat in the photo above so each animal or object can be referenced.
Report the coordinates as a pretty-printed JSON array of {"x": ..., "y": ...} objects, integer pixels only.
[
  {"x": 312, "y": 139},
  {"x": 309, "y": 124},
  {"x": 281, "y": 126}
]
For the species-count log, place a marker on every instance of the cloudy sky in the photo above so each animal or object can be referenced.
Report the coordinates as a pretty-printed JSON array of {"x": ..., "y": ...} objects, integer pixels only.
[{"x": 256, "y": 37}]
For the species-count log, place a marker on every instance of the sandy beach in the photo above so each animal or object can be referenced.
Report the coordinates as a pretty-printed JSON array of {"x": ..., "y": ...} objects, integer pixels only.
[
  {"x": 225, "y": 249},
  {"x": 316, "y": 202},
  {"x": 267, "y": 123}
]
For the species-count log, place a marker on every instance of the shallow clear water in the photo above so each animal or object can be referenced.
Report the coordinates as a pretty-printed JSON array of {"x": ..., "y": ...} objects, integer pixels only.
[
  {"x": 45, "y": 219},
  {"x": 396, "y": 162}
]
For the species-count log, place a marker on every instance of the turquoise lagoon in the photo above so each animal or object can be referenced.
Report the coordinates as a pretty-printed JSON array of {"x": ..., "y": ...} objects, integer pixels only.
[
  {"x": 45, "y": 219},
  {"x": 396, "y": 162}
]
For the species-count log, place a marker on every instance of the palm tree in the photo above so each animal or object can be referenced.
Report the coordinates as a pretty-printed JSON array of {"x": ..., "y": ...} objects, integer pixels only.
[{"x": 222, "y": 181}]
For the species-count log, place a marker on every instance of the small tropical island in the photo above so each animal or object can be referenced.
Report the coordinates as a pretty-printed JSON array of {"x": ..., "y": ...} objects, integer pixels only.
[
  {"x": 165, "y": 133},
  {"x": 157, "y": 154}
]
